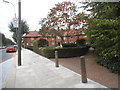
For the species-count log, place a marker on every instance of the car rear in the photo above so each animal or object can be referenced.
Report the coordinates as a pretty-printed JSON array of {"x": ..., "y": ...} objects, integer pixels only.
[{"x": 11, "y": 49}]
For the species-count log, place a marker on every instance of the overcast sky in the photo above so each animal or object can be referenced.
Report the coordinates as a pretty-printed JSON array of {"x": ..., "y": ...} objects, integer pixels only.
[{"x": 32, "y": 12}]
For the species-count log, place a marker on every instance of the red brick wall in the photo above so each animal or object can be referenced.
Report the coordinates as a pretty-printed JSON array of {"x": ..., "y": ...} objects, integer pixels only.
[{"x": 28, "y": 41}]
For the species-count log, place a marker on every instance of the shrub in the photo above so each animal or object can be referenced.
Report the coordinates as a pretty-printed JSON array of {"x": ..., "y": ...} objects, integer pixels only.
[
  {"x": 80, "y": 42},
  {"x": 113, "y": 65},
  {"x": 29, "y": 47},
  {"x": 58, "y": 47},
  {"x": 64, "y": 52},
  {"x": 39, "y": 43},
  {"x": 42, "y": 43},
  {"x": 69, "y": 45},
  {"x": 35, "y": 46}
]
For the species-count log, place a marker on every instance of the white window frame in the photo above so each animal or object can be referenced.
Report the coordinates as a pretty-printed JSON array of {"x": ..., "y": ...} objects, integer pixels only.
[
  {"x": 52, "y": 38},
  {"x": 31, "y": 44},
  {"x": 64, "y": 38},
  {"x": 32, "y": 38},
  {"x": 58, "y": 37},
  {"x": 53, "y": 43}
]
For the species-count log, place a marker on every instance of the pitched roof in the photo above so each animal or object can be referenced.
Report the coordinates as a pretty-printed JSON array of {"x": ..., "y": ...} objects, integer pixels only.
[
  {"x": 37, "y": 38},
  {"x": 53, "y": 33},
  {"x": 32, "y": 34}
]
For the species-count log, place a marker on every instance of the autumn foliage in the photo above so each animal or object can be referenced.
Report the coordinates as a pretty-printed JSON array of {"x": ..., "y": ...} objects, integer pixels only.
[{"x": 63, "y": 17}]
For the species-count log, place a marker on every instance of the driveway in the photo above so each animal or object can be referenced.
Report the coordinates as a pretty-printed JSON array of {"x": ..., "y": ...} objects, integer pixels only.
[{"x": 94, "y": 71}]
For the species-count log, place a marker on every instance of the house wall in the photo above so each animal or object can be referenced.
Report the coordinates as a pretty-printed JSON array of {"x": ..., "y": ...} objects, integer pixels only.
[
  {"x": 57, "y": 40},
  {"x": 52, "y": 41},
  {"x": 28, "y": 41}
]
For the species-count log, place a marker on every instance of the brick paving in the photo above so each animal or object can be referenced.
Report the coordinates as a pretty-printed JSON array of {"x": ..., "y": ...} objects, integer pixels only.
[{"x": 95, "y": 72}]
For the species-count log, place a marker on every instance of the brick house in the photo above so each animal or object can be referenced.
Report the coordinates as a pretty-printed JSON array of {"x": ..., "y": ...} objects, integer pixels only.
[
  {"x": 67, "y": 37},
  {"x": 30, "y": 37}
]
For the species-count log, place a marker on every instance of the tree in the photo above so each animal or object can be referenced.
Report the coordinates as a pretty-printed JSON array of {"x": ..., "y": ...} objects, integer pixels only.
[
  {"x": 62, "y": 17},
  {"x": 2, "y": 38},
  {"x": 24, "y": 28},
  {"x": 5, "y": 41},
  {"x": 59, "y": 18},
  {"x": 9, "y": 42},
  {"x": 62, "y": 14},
  {"x": 104, "y": 28}
]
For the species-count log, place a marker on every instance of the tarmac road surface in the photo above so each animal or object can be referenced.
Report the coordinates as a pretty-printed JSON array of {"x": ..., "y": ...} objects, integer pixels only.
[{"x": 5, "y": 56}]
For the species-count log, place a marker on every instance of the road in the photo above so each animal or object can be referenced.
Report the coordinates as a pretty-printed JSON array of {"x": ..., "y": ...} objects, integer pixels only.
[
  {"x": 5, "y": 56},
  {"x": 6, "y": 63}
]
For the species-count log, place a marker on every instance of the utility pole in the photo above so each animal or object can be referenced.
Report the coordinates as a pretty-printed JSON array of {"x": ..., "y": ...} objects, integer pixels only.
[
  {"x": 19, "y": 39},
  {"x": 19, "y": 33}
]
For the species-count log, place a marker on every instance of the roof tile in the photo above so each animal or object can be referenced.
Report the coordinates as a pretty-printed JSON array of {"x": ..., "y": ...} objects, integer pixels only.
[{"x": 32, "y": 34}]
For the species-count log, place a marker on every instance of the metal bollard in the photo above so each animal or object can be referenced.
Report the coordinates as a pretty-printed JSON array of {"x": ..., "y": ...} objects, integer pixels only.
[
  {"x": 118, "y": 81},
  {"x": 83, "y": 70},
  {"x": 56, "y": 59}
]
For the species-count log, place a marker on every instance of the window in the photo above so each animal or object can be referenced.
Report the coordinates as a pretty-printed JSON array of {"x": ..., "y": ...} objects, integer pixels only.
[
  {"x": 52, "y": 38},
  {"x": 32, "y": 39},
  {"x": 31, "y": 44},
  {"x": 58, "y": 37},
  {"x": 53, "y": 43},
  {"x": 64, "y": 38}
]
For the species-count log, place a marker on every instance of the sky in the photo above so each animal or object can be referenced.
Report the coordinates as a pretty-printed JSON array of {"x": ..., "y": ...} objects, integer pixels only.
[{"x": 31, "y": 11}]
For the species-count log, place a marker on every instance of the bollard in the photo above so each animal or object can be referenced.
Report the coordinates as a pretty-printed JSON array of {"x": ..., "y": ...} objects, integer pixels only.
[
  {"x": 83, "y": 70},
  {"x": 119, "y": 81},
  {"x": 91, "y": 50},
  {"x": 56, "y": 59}
]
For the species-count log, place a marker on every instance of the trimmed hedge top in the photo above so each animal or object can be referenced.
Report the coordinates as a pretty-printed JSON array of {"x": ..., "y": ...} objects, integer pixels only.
[
  {"x": 63, "y": 52},
  {"x": 81, "y": 42},
  {"x": 69, "y": 45}
]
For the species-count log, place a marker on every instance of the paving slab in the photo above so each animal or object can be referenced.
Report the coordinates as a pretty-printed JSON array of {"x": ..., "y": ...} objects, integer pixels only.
[
  {"x": 39, "y": 72},
  {"x": 5, "y": 69}
]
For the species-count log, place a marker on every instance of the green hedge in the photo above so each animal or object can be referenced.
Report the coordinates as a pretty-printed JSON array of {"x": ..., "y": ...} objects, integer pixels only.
[
  {"x": 81, "y": 42},
  {"x": 113, "y": 65},
  {"x": 42, "y": 43},
  {"x": 62, "y": 52},
  {"x": 69, "y": 45},
  {"x": 29, "y": 47},
  {"x": 35, "y": 46}
]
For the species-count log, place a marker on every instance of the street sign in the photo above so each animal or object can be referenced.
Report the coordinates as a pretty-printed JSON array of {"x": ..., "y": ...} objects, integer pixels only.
[{"x": 15, "y": 22}]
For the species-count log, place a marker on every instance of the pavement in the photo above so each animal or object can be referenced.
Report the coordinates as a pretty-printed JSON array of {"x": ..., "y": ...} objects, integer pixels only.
[{"x": 39, "y": 72}]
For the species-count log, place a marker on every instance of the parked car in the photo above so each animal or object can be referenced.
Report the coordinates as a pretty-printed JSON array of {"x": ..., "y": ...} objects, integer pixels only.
[
  {"x": 15, "y": 46},
  {"x": 11, "y": 49},
  {"x": 2, "y": 47}
]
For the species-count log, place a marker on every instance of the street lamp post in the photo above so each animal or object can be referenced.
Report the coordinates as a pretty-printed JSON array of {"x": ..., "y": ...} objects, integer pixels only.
[
  {"x": 19, "y": 29},
  {"x": 12, "y": 5},
  {"x": 15, "y": 18},
  {"x": 19, "y": 34}
]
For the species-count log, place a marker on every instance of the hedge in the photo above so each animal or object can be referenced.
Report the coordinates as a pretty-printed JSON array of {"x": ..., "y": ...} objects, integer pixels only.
[
  {"x": 42, "y": 43},
  {"x": 29, "y": 47},
  {"x": 69, "y": 45},
  {"x": 62, "y": 52},
  {"x": 81, "y": 42},
  {"x": 113, "y": 65}
]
